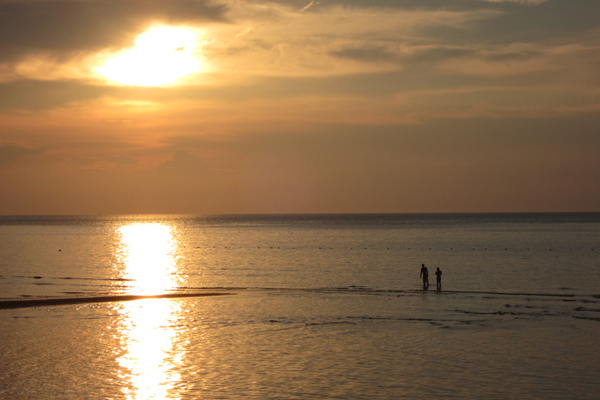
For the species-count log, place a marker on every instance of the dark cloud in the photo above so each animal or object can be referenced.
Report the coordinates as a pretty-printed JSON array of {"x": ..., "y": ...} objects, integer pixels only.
[
  {"x": 409, "y": 5},
  {"x": 439, "y": 54},
  {"x": 39, "y": 95},
  {"x": 74, "y": 25},
  {"x": 11, "y": 153},
  {"x": 183, "y": 162},
  {"x": 511, "y": 55},
  {"x": 514, "y": 21},
  {"x": 83, "y": 161},
  {"x": 121, "y": 160},
  {"x": 104, "y": 162},
  {"x": 366, "y": 53},
  {"x": 377, "y": 54},
  {"x": 552, "y": 21}
]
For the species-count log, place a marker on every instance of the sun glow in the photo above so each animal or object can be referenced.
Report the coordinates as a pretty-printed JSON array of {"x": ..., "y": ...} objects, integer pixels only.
[{"x": 160, "y": 56}]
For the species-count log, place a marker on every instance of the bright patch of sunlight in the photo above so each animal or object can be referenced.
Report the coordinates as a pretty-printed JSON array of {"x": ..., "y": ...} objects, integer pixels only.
[{"x": 160, "y": 56}]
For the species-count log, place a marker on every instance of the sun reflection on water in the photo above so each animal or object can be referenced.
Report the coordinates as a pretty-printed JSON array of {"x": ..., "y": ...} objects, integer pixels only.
[
  {"x": 151, "y": 360},
  {"x": 147, "y": 253},
  {"x": 148, "y": 358}
]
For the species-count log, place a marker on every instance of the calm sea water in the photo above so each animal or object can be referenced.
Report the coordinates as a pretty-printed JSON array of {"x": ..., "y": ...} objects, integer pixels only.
[{"x": 314, "y": 307}]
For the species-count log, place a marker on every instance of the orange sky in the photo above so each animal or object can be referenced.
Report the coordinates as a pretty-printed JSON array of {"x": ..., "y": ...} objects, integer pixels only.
[{"x": 299, "y": 106}]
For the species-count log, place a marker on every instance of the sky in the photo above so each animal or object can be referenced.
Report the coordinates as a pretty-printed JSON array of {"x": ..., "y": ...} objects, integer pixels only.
[{"x": 356, "y": 106}]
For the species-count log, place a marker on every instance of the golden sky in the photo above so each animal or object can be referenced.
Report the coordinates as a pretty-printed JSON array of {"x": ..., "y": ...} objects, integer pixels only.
[{"x": 198, "y": 106}]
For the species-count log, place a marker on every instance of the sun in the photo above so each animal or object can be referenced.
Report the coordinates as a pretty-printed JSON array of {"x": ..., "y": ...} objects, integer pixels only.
[{"x": 160, "y": 56}]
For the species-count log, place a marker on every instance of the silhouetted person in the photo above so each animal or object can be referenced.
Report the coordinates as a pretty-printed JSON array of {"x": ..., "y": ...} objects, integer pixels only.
[
  {"x": 425, "y": 275},
  {"x": 438, "y": 279}
]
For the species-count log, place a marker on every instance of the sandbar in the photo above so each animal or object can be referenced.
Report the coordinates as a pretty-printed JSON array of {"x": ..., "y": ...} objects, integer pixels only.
[{"x": 12, "y": 304}]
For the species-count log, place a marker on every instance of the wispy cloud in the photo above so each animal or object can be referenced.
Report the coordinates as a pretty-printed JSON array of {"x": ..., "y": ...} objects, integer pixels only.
[
  {"x": 309, "y": 5},
  {"x": 524, "y": 2}
]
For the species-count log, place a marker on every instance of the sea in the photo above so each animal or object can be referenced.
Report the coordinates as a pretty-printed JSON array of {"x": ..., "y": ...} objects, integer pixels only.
[{"x": 300, "y": 306}]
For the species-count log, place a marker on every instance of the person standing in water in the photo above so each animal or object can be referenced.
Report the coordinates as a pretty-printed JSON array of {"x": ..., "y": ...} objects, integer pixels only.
[
  {"x": 438, "y": 279},
  {"x": 425, "y": 275}
]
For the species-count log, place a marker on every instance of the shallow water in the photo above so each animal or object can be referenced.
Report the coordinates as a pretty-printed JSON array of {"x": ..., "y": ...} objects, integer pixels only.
[{"x": 319, "y": 307}]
